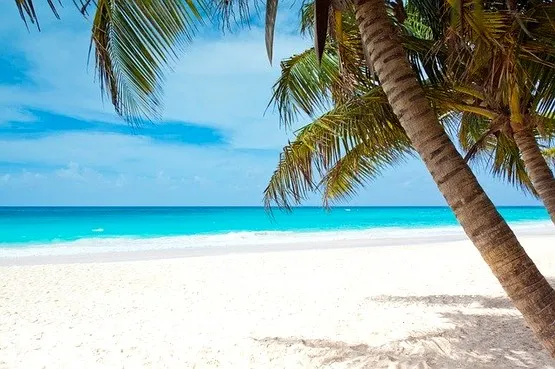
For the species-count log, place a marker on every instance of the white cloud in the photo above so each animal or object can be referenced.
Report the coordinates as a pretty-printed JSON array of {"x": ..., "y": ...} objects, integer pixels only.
[
  {"x": 74, "y": 172},
  {"x": 30, "y": 177},
  {"x": 139, "y": 170},
  {"x": 23, "y": 178},
  {"x": 70, "y": 172},
  {"x": 121, "y": 180},
  {"x": 137, "y": 154}
]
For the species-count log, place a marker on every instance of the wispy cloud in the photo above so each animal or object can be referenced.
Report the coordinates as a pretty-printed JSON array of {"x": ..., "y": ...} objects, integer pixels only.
[{"x": 142, "y": 167}]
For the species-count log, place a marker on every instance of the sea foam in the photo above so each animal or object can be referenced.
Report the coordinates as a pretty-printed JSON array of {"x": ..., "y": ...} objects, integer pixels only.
[{"x": 126, "y": 244}]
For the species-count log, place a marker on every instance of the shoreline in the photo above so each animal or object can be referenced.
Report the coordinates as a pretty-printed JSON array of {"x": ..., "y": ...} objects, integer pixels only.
[{"x": 141, "y": 249}]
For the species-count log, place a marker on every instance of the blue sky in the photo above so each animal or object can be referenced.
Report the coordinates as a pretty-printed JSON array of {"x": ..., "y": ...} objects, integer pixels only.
[{"x": 61, "y": 145}]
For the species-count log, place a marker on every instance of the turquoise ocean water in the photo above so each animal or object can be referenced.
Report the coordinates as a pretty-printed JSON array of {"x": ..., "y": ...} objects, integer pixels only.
[{"x": 24, "y": 226}]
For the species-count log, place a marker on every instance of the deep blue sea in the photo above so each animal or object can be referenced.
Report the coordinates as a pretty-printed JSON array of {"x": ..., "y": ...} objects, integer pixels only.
[{"x": 20, "y": 226}]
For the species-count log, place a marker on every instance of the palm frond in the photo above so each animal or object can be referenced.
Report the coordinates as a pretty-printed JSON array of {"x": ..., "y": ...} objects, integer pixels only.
[
  {"x": 325, "y": 153},
  {"x": 488, "y": 144},
  {"x": 360, "y": 165},
  {"x": 27, "y": 11},
  {"x": 473, "y": 130},
  {"x": 231, "y": 13},
  {"x": 134, "y": 43},
  {"x": 508, "y": 165},
  {"x": 426, "y": 60},
  {"x": 431, "y": 13},
  {"x": 304, "y": 85},
  {"x": 549, "y": 155},
  {"x": 479, "y": 144},
  {"x": 446, "y": 98},
  {"x": 343, "y": 73},
  {"x": 543, "y": 91},
  {"x": 544, "y": 127},
  {"x": 307, "y": 18},
  {"x": 415, "y": 26}
]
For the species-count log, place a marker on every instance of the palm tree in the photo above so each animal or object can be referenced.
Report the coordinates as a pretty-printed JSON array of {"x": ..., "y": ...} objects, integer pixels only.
[
  {"x": 480, "y": 122},
  {"x": 346, "y": 145},
  {"x": 505, "y": 58},
  {"x": 134, "y": 38},
  {"x": 524, "y": 284},
  {"x": 362, "y": 127}
]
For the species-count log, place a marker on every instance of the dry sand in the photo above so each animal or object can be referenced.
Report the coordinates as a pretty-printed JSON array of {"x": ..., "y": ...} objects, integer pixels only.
[{"x": 421, "y": 306}]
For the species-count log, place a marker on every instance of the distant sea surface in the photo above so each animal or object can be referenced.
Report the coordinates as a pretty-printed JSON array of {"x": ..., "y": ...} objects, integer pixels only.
[{"x": 24, "y": 226}]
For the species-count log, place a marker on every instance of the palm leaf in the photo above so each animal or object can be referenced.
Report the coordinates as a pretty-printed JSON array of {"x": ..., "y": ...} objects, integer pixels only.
[
  {"x": 307, "y": 18},
  {"x": 27, "y": 11},
  {"x": 134, "y": 43},
  {"x": 488, "y": 144},
  {"x": 508, "y": 165},
  {"x": 432, "y": 13},
  {"x": 304, "y": 85},
  {"x": 549, "y": 155},
  {"x": 360, "y": 165},
  {"x": 328, "y": 148},
  {"x": 229, "y": 13}
]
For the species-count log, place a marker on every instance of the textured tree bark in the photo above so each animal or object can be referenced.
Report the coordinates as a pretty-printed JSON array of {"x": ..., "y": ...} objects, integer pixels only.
[
  {"x": 537, "y": 169},
  {"x": 498, "y": 245}
]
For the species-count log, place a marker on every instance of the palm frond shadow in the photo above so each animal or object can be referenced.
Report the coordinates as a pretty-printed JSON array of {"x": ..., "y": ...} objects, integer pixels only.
[
  {"x": 485, "y": 302},
  {"x": 492, "y": 336}
]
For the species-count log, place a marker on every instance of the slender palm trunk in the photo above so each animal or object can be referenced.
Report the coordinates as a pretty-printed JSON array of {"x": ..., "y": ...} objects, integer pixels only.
[
  {"x": 537, "y": 169},
  {"x": 524, "y": 284}
]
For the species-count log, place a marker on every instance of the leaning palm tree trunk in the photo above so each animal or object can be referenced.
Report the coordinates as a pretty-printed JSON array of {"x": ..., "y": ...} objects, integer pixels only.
[
  {"x": 524, "y": 284},
  {"x": 537, "y": 168}
]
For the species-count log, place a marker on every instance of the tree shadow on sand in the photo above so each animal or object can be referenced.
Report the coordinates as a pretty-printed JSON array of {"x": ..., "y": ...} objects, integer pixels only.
[{"x": 489, "y": 335}]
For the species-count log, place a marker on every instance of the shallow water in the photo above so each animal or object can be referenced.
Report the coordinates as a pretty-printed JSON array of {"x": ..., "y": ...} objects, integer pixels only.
[{"x": 22, "y": 226}]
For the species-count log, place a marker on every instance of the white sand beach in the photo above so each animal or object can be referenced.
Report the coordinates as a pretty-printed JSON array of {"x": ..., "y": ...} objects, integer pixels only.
[{"x": 432, "y": 305}]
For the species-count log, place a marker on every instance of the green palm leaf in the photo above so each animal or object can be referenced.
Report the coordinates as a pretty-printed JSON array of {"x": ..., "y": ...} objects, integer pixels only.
[
  {"x": 134, "y": 44},
  {"x": 304, "y": 85},
  {"x": 343, "y": 148},
  {"x": 549, "y": 155},
  {"x": 27, "y": 11},
  {"x": 360, "y": 165},
  {"x": 508, "y": 165}
]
